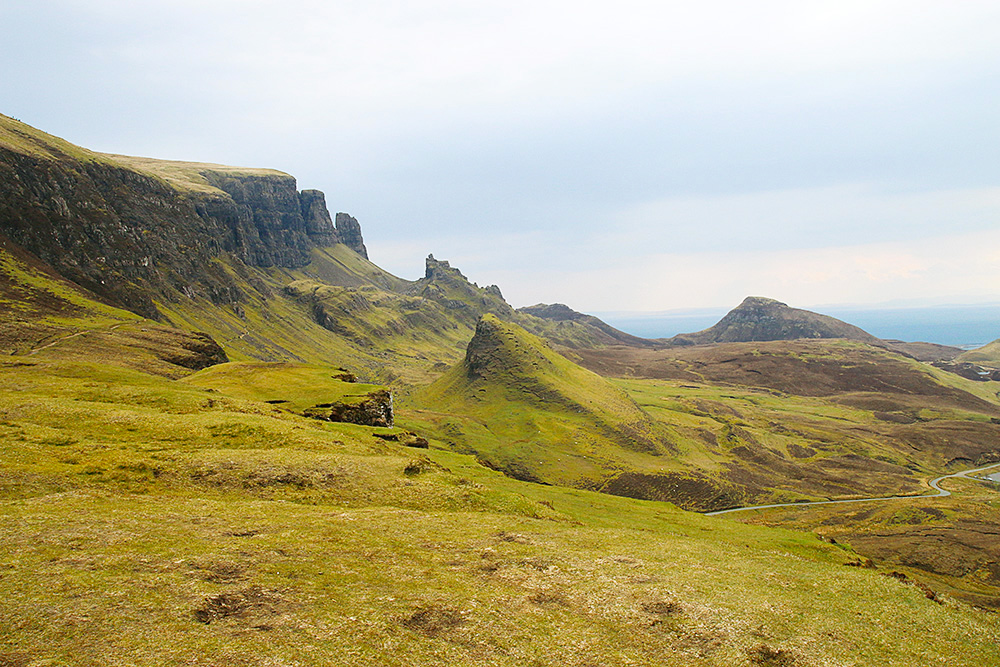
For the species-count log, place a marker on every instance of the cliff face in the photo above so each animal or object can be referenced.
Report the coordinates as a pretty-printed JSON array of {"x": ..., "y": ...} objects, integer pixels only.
[
  {"x": 350, "y": 234},
  {"x": 131, "y": 235}
]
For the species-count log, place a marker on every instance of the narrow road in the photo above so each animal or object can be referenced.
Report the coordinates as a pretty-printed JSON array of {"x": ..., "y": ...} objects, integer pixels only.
[{"x": 934, "y": 483}]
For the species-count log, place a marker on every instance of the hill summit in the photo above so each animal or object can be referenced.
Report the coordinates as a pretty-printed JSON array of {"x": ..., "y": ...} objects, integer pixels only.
[
  {"x": 762, "y": 319},
  {"x": 530, "y": 412}
]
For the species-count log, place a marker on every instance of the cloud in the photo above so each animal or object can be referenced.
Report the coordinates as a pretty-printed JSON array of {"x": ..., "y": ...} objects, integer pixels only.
[
  {"x": 657, "y": 153},
  {"x": 948, "y": 268}
]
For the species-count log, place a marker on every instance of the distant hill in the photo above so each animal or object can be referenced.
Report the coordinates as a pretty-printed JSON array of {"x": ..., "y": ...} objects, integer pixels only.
[
  {"x": 763, "y": 319},
  {"x": 569, "y": 327}
]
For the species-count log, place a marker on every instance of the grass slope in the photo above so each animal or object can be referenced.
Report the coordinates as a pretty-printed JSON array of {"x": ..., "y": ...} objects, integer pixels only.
[
  {"x": 988, "y": 355},
  {"x": 150, "y": 522},
  {"x": 948, "y": 543},
  {"x": 19, "y": 137},
  {"x": 745, "y": 423},
  {"x": 294, "y": 387},
  {"x": 529, "y": 411},
  {"x": 44, "y": 316}
]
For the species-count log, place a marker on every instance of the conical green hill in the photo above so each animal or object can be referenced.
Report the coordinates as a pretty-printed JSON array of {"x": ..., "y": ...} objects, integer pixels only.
[{"x": 525, "y": 409}]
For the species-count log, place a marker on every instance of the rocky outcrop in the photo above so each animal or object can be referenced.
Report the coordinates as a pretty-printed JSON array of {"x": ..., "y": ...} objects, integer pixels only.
[
  {"x": 319, "y": 224},
  {"x": 762, "y": 319},
  {"x": 349, "y": 232},
  {"x": 448, "y": 286},
  {"x": 441, "y": 269},
  {"x": 373, "y": 409}
]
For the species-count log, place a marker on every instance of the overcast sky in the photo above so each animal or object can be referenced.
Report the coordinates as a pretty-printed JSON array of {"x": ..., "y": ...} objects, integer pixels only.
[{"x": 620, "y": 156}]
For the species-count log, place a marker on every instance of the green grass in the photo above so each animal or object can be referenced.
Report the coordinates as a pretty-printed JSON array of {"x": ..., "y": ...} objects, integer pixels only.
[
  {"x": 190, "y": 177},
  {"x": 22, "y": 138},
  {"x": 527, "y": 410},
  {"x": 988, "y": 354},
  {"x": 137, "y": 508},
  {"x": 294, "y": 387}
]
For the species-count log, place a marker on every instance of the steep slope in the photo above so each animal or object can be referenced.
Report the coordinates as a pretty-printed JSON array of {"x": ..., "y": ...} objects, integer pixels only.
[
  {"x": 530, "y": 412},
  {"x": 44, "y": 316},
  {"x": 138, "y": 230},
  {"x": 240, "y": 254},
  {"x": 761, "y": 319}
]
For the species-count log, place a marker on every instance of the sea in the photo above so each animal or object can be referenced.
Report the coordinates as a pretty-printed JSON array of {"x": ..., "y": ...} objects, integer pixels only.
[{"x": 965, "y": 326}]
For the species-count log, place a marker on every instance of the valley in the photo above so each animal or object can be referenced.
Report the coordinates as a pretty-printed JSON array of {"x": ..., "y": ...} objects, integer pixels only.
[{"x": 227, "y": 437}]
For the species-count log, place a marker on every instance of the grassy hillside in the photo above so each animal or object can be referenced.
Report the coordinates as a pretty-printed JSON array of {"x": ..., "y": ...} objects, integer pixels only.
[
  {"x": 294, "y": 387},
  {"x": 988, "y": 355},
  {"x": 530, "y": 412},
  {"x": 149, "y": 522},
  {"x": 188, "y": 177},
  {"x": 734, "y": 424},
  {"x": 21, "y": 138}
]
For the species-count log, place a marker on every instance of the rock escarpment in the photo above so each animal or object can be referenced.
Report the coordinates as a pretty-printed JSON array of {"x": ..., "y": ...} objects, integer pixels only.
[
  {"x": 467, "y": 300},
  {"x": 349, "y": 232},
  {"x": 133, "y": 230}
]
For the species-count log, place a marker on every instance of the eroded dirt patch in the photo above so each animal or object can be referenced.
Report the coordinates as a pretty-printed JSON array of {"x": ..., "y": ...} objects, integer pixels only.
[
  {"x": 433, "y": 620},
  {"x": 239, "y": 604}
]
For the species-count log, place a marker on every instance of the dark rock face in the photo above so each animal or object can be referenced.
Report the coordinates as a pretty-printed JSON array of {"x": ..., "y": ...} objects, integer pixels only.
[
  {"x": 269, "y": 227},
  {"x": 319, "y": 224},
  {"x": 374, "y": 409},
  {"x": 350, "y": 234},
  {"x": 440, "y": 269},
  {"x": 761, "y": 319},
  {"x": 131, "y": 238},
  {"x": 484, "y": 348}
]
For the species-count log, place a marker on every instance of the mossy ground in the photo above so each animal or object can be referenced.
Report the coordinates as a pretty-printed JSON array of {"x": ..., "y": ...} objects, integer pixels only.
[
  {"x": 150, "y": 522},
  {"x": 291, "y": 386}
]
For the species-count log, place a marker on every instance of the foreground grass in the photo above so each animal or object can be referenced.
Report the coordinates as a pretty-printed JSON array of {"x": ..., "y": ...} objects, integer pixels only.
[
  {"x": 149, "y": 522},
  {"x": 949, "y": 543}
]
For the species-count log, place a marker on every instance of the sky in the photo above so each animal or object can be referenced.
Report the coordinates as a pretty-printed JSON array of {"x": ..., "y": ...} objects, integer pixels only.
[{"x": 627, "y": 156}]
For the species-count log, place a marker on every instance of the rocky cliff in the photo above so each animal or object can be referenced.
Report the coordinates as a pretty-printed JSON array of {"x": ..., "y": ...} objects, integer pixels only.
[{"x": 136, "y": 230}]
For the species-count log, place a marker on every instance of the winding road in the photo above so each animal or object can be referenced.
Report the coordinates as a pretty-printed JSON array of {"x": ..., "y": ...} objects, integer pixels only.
[{"x": 934, "y": 483}]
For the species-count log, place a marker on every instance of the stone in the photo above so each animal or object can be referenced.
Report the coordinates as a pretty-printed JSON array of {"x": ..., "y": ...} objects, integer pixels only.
[
  {"x": 319, "y": 224},
  {"x": 373, "y": 409},
  {"x": 349, "y": 231}
]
